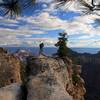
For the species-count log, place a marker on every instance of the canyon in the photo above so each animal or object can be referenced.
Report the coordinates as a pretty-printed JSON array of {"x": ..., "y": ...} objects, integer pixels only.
[{"x": 41, "y": 78}]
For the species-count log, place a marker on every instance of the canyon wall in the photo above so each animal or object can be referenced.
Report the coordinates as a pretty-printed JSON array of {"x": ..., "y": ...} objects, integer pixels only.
[{"x": 46, "y": 78}]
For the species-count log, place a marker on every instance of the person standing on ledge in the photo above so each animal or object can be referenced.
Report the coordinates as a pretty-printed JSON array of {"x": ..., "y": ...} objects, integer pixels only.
[{"x": 41, "y": 48}]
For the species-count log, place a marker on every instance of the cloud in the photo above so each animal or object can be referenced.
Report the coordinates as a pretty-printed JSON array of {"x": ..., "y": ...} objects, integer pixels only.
[
  {"x": 21, "y": 30},
  {"x": 28, "y": 41},
  {"x": 80, "y": 24},
  {"x": 8, "y": 31},
  {"x": 46, "y": 1},
  {"x": 45, "y": 22}
]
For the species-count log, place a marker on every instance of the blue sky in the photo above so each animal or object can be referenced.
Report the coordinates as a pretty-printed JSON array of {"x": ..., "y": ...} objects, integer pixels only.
[{"x": 42, "y": 23}]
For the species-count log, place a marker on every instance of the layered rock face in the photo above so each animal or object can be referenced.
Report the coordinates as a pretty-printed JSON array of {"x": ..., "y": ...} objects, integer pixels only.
[
  {"x": 51, "y": 79},
  {"x": 48, "y": 78},
  {"x": 91, "y": 75},
  {"x": 9, "y": 68}
]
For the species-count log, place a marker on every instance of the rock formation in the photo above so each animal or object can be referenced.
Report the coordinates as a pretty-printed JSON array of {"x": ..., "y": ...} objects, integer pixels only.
[
  {"x": 91, "y": 75},
  {"x": 11, "y": 92},
  {"x": 51, "y": 79},
  {"x": 47, "y": 78},
  {"x": 9, "y": 68}
]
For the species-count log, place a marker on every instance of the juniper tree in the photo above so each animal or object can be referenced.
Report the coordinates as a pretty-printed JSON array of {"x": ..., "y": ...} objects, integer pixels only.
[{"x": 62, "y": 45}]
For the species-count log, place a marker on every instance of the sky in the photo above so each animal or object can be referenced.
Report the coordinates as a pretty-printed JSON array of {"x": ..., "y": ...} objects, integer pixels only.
[{"x": 42, "y": 23}]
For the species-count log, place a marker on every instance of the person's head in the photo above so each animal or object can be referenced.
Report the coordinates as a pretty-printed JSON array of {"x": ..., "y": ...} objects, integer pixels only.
[{"x": 41, "y": 45}]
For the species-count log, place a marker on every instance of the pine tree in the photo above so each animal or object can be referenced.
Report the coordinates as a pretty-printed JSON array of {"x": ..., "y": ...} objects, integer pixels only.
[
  {"x": 62, "y": 45},
  {"x": 14, "y": 8}
]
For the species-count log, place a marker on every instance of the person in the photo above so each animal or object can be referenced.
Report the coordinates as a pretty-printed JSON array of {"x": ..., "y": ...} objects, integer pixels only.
[{"x": 41, "y": 47}]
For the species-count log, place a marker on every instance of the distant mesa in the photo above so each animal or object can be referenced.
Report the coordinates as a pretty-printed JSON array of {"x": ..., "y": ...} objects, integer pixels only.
[{"x": 22, "y": 54}]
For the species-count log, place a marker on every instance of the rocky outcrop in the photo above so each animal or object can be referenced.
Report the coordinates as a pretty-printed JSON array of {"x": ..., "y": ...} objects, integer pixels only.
[
  {"x": 11, "y": 92},
  {"x": 44, "y": 78},
  {"x": 22, "y": 55},
  {"x": 51, "y": 79},
  {"x": 9, "y": 68},
  {"x": 42, "y": 88}
]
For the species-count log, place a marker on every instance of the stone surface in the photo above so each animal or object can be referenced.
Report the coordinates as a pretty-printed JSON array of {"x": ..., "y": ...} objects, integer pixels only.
[
  {"x": 9, "y": 68},
  {"x": 51, "y": 79},
  {"x": 41, "y": 89},
  {"x": 46, "y": 78},
  {"x": 11, "y": 92}
]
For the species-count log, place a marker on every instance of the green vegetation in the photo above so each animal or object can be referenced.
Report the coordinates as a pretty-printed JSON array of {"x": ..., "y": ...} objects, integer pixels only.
[
  {"x": 75, "y": 78},
  {"x": 64, "y": 50},
  {"x": 62, "y": 45},
  {"x": 15, "y": 7},
  {"x": 90, "y": 7},
  {"x": 76, "y": 60}
]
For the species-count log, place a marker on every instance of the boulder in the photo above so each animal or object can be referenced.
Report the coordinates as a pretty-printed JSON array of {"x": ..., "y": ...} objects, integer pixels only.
[{"x": 11, "y": 92}]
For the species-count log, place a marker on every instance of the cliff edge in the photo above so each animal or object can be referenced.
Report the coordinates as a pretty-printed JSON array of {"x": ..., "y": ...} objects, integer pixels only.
[
  {"x": 54, "y": 79},
  {"x": 9, "y": 68},
  {"x": 47, "y": 78}
]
